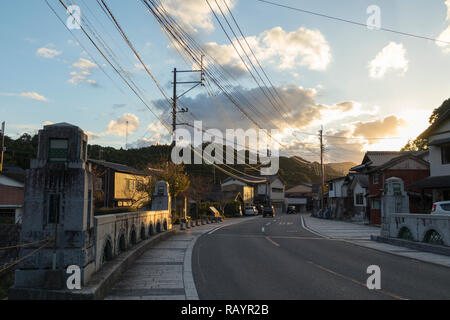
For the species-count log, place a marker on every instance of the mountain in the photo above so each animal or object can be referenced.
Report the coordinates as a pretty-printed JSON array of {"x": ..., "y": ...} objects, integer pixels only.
[
  {"x": 340, "y": 167},
  {"x": 293, "y": 170}
]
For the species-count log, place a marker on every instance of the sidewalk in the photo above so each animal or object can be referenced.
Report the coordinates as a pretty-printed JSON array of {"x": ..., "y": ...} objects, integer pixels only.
[
  {"x": 164, "y": 272},
  {"x": 360, "y": 235}
]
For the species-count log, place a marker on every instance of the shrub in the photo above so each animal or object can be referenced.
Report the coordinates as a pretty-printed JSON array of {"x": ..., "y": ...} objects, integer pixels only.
[{"x": 232, "y": 209}]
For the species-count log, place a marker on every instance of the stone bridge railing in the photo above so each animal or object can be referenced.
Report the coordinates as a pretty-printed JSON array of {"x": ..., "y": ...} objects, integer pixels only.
[
  {"x": 116, "y": 233},
  {"x": 434, "y": 229}
]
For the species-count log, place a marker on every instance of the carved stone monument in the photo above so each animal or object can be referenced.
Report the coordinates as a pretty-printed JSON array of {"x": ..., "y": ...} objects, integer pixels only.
[
  {"x": 394, "y": 200},
  {"x": 58, "y": 206}
]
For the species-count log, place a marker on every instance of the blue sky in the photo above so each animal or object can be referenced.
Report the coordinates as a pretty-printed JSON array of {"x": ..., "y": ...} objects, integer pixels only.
[{"x": 47, "y": 77}]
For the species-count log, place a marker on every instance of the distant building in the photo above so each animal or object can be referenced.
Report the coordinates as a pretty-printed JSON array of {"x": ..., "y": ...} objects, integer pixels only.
[
  {"x": 301, "y": 197},
  {"x": 11, "y": 195},
  {"x": 438, "y": 135},
  {"x": 274, "y": 194},
  {"x": 246, "y": 191},
  {"x": 337, "y": 195},
  {"x": 116, "y": 185},
  {"x": 408, "y": 168}
]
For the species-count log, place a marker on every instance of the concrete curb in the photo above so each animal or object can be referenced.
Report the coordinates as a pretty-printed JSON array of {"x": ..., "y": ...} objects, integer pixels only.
[
  {"x": 100, "y": 283},
  {"x": 436, "y": 249}
]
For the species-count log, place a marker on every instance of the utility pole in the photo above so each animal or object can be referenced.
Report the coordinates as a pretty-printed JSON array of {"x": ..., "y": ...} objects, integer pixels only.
[
  {"x": 176, "y": 97},
  {"x": 3, "y": 146},
  {"x": 322, "y": 176}
]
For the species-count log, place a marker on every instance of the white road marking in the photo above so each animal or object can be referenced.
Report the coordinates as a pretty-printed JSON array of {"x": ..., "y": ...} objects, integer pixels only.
[
  {"x": 214, "y": 230},
  {"x": 312, "y": 231}
]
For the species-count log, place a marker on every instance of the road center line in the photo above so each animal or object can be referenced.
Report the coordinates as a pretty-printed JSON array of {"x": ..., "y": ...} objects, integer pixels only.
[{"x": 273, "y": 242}]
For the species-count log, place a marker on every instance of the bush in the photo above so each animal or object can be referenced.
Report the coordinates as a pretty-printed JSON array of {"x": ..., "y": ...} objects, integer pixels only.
[{"x": 232, "y": 209}]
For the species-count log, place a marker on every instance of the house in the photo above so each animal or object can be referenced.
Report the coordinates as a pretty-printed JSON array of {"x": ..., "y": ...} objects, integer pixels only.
[
  {"x": 337, "y": 193},
  {"x": 246, "y": 190},
  {"x": 408, "y": 167},
  {"x": 300, "y": 196},
  {"x": 116, "y": 185},
  {"x": 358, "y": 189},
  {"x": 438, "y": 135},
  {"x": 274, "y": 194},
  {"x": 11, "y": 195}
]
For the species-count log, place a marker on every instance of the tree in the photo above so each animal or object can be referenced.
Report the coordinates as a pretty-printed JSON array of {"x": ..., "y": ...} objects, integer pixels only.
[
  {"x": 199, "y": 188},
  {"x": 173, "y": 174},
  {"x": 422, "y": 144}
]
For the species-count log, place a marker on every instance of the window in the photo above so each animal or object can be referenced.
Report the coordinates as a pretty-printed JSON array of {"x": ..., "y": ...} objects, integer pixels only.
[
  {"x": 359, "y": 198},
  {"x": 331, "y": 186},
  {"x": 131, "y": 185},
  {"x": 279, "y": 190},
  {"x": 376, "y": 179},
  {"x": 53, "y": 208},
  {"x": 57, "y": 151},
  {"x": 376, "y": 204},
  {"x": 445, "y": 153}
]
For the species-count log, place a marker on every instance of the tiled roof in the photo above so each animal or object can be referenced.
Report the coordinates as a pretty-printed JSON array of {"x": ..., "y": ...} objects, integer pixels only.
[{"x": 117, "y": 167}]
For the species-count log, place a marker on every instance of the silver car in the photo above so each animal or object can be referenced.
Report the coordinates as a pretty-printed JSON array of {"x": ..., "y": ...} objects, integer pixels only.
[{"x": 442, "y": 207}]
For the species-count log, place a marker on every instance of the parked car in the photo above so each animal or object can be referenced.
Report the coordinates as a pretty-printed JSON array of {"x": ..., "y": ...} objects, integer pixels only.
[
  {"x": 251, "y": 211},
  {"x": 269, "y": 211},
  {"x": 291, "y": 210},
  {"x": 442, "y": 207}
]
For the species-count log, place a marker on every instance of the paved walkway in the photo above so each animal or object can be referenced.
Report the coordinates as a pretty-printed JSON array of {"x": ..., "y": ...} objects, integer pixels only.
[
  {"x": 341, "y": 230},
  {"x": 164, "y": 272},
  {"x": 360, "y": 235}
]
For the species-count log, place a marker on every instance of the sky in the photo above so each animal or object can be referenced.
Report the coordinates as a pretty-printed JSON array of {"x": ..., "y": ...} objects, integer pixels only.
[{"x": 369, "y": 89}]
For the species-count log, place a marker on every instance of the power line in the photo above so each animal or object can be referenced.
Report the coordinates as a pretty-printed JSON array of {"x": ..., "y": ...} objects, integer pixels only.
[{"x": 353, "y": 22}]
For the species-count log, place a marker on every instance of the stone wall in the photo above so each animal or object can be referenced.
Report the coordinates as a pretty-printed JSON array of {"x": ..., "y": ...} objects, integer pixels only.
[
  {"x": 419, "y": 226},
  {"x": 116, "y": 233}
]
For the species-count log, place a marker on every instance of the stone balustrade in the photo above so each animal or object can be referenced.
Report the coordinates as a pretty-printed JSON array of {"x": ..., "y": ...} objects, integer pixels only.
[
  {"x": 115, "y": 233},
  {"x": 427, "y": 228}
]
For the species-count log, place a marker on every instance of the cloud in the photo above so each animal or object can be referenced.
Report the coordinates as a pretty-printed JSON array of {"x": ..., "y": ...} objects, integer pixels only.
[
  {"x": 119, "y": 105},
  {"x": 158, "y": 135},
  {"x": 285, "y": 50},
  {"x": 391, "y": 57},
  {"x": 302, "y": 47},
  {"x": 48, "y": 53},
  {"x": 447, "y": 3},
  {"x": 194, "y": 14},
  {"x": 92, "y": 135},
  {"x": 29, "y": 95},
  {"x": 84, "y": 67},
  {"x": 444, "y": 37},
  {"x": 379, "y": 128},
  {"x": 119, "y": 127}
]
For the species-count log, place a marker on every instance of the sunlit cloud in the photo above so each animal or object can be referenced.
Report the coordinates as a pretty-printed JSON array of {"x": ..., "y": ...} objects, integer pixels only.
[
  {"x": 126, "y": 124},
  {"x": 391, "y": 57}
]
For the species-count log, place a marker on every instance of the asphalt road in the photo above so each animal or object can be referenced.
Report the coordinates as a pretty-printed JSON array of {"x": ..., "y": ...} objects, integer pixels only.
[{"x": 275, "y": 258}]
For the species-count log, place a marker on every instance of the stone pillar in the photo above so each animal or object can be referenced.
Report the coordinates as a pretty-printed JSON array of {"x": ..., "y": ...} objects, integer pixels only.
[
  {"x": 394, "y": 200},
  {"x": 58, "y": 202}
]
